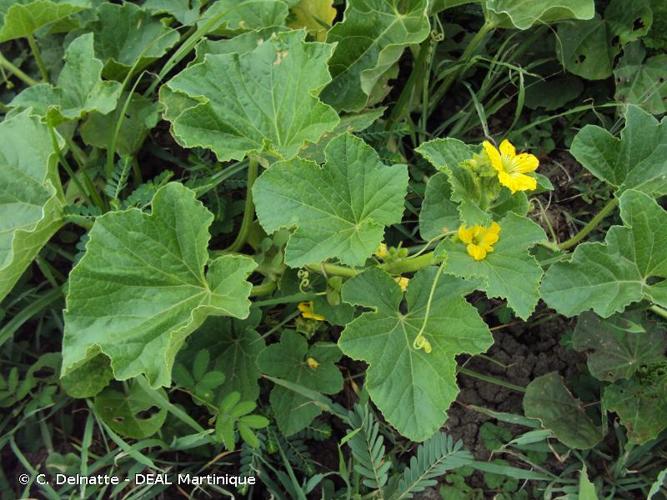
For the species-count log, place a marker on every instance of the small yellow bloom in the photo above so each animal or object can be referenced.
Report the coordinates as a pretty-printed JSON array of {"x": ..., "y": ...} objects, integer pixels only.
[
  {"x": 312, "y": 363},
  {"x": 382, "y": 251},
  {"x": 511, "y": 167},
  {"x": 479, "y": 239},
  {"x": 307, "y": 312},
  {"x": 402, "y": 282}
]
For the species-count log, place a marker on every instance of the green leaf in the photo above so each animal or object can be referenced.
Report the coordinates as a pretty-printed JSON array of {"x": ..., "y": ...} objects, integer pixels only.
[
  {"x": 657, "y": 36},
  {"x": 21, "y": 18},
  {"x": 259, "y": 102},
  {"x": 411, "y": 388},
  {"x": 642, "y": 81},
  {"x": 234, "y": 413},
  {"x": 88, "y": 380},
  {"x": 629, "y": 21},
  {"x": 585, "y": 48},
  {"x": 641, "y": 402},
  {"x": 619, "y": 346},
  {"x": 185, "y": 12},
  {"x": 149, "y": 273},
  {"x": 339, "y": 210},
  {"x": 522, "y": 14},
  {"x": 130, "y": 414},
  {"x": 79, "y": 90},
  {"x": 288, "y": 359},
  {"x": 438, "y": 213},
  {"x": 245, "y": 14},
  {"x": 126, "y": 35},
  {"x": 548, "y": 400},
  {"x": 316, "y": 16},
  {"x": 139, "y": 118},
  {"x": 510, "y": 271},
  {"x": 30, "y": 195},
  {"x": 586, "y": 487},
  {"x": 636, "y": 160},
  {"x": 607, "y": 277},
  {"x": 371, "y": 38}
]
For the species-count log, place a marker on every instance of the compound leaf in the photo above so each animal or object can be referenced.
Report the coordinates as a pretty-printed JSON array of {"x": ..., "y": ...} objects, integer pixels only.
[
  {"x": 79, "y": 90},
  {"x": 636, "y": 160},
  {"x": 619, "y": 346},
  {"x": 143, "y": 286},
  {"x": 510, "y": 271},
  {"x": 313, "y": 367},
  {"x": 263, "y": 101},
  {"x": 126, "y": 35},
  {"x": 339, "y": 210},
  {"x": 371, "y": 38},
  {"x": 607, "y": 277},
  {"x": 21, "y": 18},
  {"x": 548, "y": 400},
  {"x": 31, "y": 198},
  {"x": 412, "y": 388},
  {"x": 522, "y": 14}
]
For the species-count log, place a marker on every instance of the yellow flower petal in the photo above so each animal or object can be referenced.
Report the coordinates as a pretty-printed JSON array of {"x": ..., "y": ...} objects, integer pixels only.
[
  {"x": 466, "y": 234},
  {"x": 507, "y": 149},
  {"x": 476, "y": 252},
  {"x": 490, "y": 237},
  {"x": 494, "y": 156},
  {"x": 307, "y": 312},
  {"x": 525, "y": 162}
]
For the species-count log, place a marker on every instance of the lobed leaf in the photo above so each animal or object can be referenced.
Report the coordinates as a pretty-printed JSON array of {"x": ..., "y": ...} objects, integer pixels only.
[
  {"x": 143, "y": 286},
  {"x": 338, "y": 210},
  {"x": 411, "y": 388},
  {"x": 22, "y": 18},
  {"x": 523, "y": 14}
]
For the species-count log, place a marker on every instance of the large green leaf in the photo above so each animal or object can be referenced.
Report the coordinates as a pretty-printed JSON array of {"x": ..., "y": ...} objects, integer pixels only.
[
  {"x": 30, "y": 195},
  {"x": 313, "y": 367},
  {"x": 585, "y": 48},
  {"x": 245, "y": 14},
  {"x": 264, "y": 101},
  {"x": 21, "y": 18},
  {"x": 412, "y": 388},
  {"x": 641, "y": 402},
  {"x": 144, "y": 285},
  {"x": 371, "y": 38},
  {"x": 438, "y": 213},
  {"x": 510, "y": 271},
  {"x": 523, "y": 14},
  {"x": 629, "y": 21},
  {"x": 126, "y": 35},
  {"x": 636, "y": 160},
  {"x": 642, "y": 81},
  {"x": 619, "y": 346},
  {"x": 607, "y": 277},
  {"x": 339, "y": 210},
  {"x": 79, "y": 90},
  {"x": 548, "y": 400},
  {"x": 184, "y": 11}
]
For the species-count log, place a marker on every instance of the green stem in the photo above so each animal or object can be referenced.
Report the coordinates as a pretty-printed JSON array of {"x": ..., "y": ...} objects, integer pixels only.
[
  {"x": 592, "y": 224},
  {"x": 38, "y": 58},
  {"x": 334, "y": 270},
  {"x": 659, "y": 311},
  {"x": 263, "y": 289},
  {"x": 248, "y": 211},
  {"x": 470, "y": 50},
  {"x": 14, "y": 70},
  {"x": 491, "y": 380},
  {"x": 67, "y": 166},
  {"x": 411, "y": 264}
]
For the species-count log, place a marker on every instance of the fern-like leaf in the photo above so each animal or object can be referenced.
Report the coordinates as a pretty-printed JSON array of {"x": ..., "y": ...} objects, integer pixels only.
[
  {"x": 368, "y": 451},
  {"x": 434, "y": 457},
  {"x": 118, "y": 180}
]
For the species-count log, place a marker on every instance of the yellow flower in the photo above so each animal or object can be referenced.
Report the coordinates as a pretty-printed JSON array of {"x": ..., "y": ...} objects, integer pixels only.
[
  {"x": 402, "y": 282},
  {"x": 511, "y": 167},
  {"x": 479, "y": 239},
  {"x": 307, "y": 312},
  {"x": 382, "y": 251},
  {"x": 312, "y": 363}
]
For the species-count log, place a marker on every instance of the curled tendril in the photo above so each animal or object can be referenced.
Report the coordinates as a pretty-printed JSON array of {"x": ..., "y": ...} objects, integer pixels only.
[{"x": 304, "y": 277}]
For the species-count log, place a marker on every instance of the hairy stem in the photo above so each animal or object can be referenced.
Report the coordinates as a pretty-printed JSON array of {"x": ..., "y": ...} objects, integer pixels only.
[
  {"x": 659, "y": 311},
  {"x": 592, "y": 224},
  {"x": 16, "y": 71},
  {"x": 248, "y": 210},
  {"x": 38, "y": 58},
  {"x": 491, "y": 380}
]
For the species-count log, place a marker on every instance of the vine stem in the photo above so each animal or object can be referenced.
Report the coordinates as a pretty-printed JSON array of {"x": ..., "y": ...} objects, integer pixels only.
[
  {"x": 248, "y": 210},
  {"x": 659, "y": 311},
  {"x": 592, "y": 224},
  {"x": 38, "y": 58},
  {"x": 419, "y": 339},
  {"x": 16, "y": 71},
  {"x": 491, "y": 380}
]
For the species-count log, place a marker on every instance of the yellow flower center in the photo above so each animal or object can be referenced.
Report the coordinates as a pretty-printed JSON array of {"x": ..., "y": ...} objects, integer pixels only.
[
  {"x": 479, "y": 240},
  {"x": 312, "y": 363},
  {"x": 512, "y": 167},
  {"x": 402, "y": 282}
]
